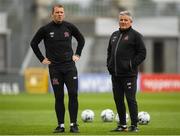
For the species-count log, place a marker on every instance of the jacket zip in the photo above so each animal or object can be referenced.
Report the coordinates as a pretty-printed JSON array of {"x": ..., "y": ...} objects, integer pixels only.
[
  {"x": 115, "y": 63},
  {"x": 131, "y": 65}
]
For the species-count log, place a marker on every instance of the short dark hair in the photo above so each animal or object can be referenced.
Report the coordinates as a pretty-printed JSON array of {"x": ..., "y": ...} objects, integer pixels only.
[{"x": 56, "y": 5}]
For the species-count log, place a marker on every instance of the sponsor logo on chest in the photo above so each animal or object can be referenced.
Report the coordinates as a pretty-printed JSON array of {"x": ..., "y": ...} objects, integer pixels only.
[
  {"x": 126, "y": 38},
  {"x": 65, "y": 34},
  {"x": 51, "y": 34},
  {"x": 114, "y": 38}
]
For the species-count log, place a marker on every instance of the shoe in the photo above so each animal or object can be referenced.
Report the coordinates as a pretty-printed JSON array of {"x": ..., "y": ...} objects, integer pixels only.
[
  {"x": 133, "y": 128},
  {"x": 59, "y": 130},
  {"x": 74, "y": 128},
  {"x": 120, "y": 128}
]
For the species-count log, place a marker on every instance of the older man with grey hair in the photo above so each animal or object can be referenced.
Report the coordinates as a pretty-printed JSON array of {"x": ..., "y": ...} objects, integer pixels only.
[{"x": 126, "y": 51}]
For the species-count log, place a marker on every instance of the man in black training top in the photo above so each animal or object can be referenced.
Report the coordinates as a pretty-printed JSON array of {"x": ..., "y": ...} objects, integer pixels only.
[
  {"x": 57, "y": 37},
  {"x": 126, "y": 51}
]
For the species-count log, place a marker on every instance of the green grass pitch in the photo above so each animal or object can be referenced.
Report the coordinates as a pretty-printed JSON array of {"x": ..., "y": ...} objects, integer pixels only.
[{"x": 33, "y": 114}]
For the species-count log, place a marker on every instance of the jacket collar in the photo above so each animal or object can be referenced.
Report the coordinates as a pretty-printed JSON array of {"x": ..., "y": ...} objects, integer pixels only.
[
  {"x": 124, "y": 30},
  {"x": 57, "y": 24}
]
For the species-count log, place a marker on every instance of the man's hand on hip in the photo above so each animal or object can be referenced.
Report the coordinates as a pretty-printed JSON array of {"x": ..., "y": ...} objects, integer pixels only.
[
  {"x": 46, "y": 61},
  {"x": 75, "y": 57}
]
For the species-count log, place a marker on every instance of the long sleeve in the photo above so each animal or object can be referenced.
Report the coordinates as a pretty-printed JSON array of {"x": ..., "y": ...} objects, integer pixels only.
[
  {"x": 141, "y": 51},
  {"x": 80, "y": 39},
  {"x": 108, "y": 52},
  {"x": 35, "y": 42}
]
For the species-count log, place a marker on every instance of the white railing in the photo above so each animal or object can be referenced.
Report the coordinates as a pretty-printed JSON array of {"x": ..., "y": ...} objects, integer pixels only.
[{"x": 3, "y": 21}]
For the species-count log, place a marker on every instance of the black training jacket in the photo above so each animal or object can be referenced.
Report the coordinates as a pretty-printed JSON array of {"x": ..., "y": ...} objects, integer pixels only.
[
  {"x": 125, "y": 52},
  {"x": 57, "y": 40}
]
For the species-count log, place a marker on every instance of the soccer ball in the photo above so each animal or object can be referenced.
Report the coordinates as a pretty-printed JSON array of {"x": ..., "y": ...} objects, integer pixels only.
[
  {"x": 87, "y": 115},
  {"x": 107, "y": 115},
  {"x": 143, "y": 118},
  {"x": 117, "y": 118}
]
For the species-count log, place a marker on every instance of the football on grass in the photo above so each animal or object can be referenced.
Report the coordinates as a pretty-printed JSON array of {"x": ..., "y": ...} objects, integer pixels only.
[
  {"x": 107, "y": 115},
  {"x": 87, "y": 115},
  {"x": 143, "y": 117}
]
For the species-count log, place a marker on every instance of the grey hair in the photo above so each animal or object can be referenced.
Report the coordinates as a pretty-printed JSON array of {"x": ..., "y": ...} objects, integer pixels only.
[{"x": 127, "y": 13}]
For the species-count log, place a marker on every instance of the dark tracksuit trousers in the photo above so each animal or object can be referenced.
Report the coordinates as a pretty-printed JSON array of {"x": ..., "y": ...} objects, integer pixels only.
[
  {"x": 57, "y": 38},
  {"x": 125, "y": 86},
  {"x": 69, "y": 77},
  {"x": 126, "y": 51}
]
